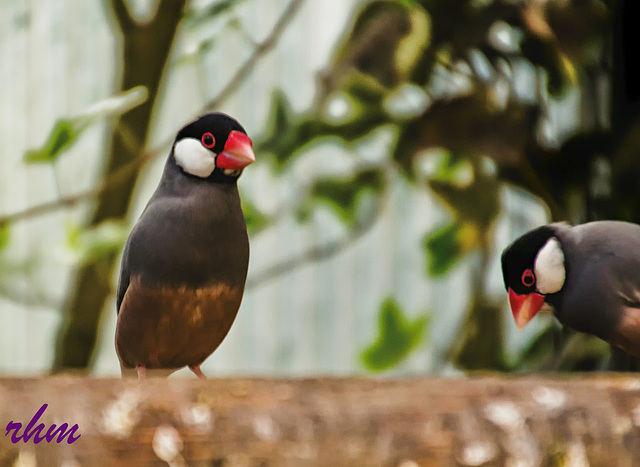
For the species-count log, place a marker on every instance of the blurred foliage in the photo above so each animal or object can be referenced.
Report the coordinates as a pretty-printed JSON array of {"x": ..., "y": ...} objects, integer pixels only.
[
  {"x": 447, "y": 245},
  {"x": 344, "y": 195},
  {"x": 464, "y": 56},
  {"x": 480, "y": 345},
  {"x": 383, "y": 45},
  {"x": 63, "y": 134},
  {"x": 289, "y": 135},
  {"x": 196, "y": 16},
  {"x": 214, "y": 19},
  {"x": 256, "y": 220},
  {"x": 4, "y": 235},
  {"x": 397, "y": 337},
  {"x": 580, "y": 352},
  {"x": 66, "y": 131},
  {"x": 138, "y": 78},
  {"x": 86, "y": 245},
  {"x": 443, "y": 77}
]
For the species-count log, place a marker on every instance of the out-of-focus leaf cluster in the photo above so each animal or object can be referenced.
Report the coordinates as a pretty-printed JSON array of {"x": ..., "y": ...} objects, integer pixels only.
[
  {"x": 344, "y": 195},
  {"x": 89, "y": 245},
  {"x": 66, "y": 131},
  {"x": 397, "y": 336},
  {"x": 443, "y": 77},
  {"x": 4, "y": 235},
  {"x": 463, "y": 59},
  {"x": 256, "y": 220}
]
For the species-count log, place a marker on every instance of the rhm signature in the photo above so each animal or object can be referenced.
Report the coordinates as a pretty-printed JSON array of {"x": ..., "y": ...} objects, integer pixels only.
[{"x": 37, "y": 432}]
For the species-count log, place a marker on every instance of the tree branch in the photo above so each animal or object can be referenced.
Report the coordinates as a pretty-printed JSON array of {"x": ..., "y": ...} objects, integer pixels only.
[
  {"x": 318, "y": 252},
  {"x": 113, "y": 181},
  {"x": 123, "y": 17},
  {"x": 141, "y": 66},
  {"x": 261, "y": 49}
]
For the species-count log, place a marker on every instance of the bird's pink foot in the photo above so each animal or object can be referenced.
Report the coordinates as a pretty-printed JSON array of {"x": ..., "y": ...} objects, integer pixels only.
[
  {"x": 197, "y": 371},
  {"x": 142, "y": 372}
]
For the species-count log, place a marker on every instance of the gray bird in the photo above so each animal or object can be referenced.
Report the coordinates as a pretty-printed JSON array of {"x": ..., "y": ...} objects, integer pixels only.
[
  {"x": 185, "y": 263},
  {"x": 587, "y": 275}
]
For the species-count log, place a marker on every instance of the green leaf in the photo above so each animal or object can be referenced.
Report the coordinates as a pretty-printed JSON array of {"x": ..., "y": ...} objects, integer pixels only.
[
  {"x": 473, "y": 195},
  {"x": 407, "y": 3},
  {"x": 283, "y": 137},
  {"x": 343, "y": 195},
  {"x": 447, "y": 245},
  {"x": 62, "y": 135},
  {"x": 66, "y": 131},
  {"x": 397, "y": 337},
  {"x": 382, "y": 25},
  {"x": 289, "y": 134},
  {"x": 255, "y": 219},
  {"x": 449, "y": 166},
  {"x": 412, "y": 46},
  {"x": 196, "y": 17},
  {"x": 366, "y": 92},
  {"x": 4, "y": 235},
  {"x": 92, "y": 244}
]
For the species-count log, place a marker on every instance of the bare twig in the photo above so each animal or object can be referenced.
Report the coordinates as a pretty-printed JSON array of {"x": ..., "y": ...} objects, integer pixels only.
[
  {"x": 130, "y": 168},
  {"x": 118, "y": 177},
  {"x": 31, "y": 298},
  {"x": 318, "y": 252},
  {"x": 261, "y": 49}
]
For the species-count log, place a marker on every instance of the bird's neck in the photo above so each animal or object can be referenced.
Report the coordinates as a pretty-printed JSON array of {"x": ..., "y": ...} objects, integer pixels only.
[{"x": 175, "y": 182}]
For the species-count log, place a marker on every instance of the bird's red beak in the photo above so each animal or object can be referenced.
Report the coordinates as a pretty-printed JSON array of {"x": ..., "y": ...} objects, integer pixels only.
[
  {"x": 525, "y": 306},
  {"x": 237, "y": 152}
]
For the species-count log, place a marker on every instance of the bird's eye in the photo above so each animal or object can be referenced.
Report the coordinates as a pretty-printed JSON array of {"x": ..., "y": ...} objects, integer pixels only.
[
  {"x": 528, "y": 278},
  {"x": 208, "y": 141}
]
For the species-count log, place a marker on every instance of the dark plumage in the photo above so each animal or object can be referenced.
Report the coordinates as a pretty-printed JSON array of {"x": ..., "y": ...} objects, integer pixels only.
[
  {"x": 185, "y": 263},
  {"x": 592, "y": 281}
]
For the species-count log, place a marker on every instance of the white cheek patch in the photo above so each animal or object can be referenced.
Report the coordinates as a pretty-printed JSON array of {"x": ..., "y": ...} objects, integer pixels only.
[
  {"x": 194, "y": 158},
  {"x": 549, "y": 268}
]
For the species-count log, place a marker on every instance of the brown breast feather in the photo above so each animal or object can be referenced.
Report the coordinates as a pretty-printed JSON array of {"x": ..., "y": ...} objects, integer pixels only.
[{"x": 172, "y": 327}]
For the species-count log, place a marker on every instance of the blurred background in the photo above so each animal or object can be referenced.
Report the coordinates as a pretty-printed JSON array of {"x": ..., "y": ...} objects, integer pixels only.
[{"x": 400, "y": 144}]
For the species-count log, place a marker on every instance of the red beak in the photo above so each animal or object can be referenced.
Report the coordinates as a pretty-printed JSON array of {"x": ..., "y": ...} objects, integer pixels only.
[
  {"x": 237, "y": 152},
  {"x": 525, "y": 306}
]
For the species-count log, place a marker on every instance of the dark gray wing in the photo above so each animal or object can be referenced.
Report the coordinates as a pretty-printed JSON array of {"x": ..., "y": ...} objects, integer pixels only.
[
  {"x": 603, "y": 279},
  {"x": 123, "y": 282}
]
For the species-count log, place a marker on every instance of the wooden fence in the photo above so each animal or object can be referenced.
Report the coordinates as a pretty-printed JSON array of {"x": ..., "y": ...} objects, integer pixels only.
[{"x": 488, "y": 421}]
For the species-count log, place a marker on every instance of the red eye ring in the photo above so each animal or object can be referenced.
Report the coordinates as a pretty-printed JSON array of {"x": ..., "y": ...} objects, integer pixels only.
[
  {"x": 208, "y": 141},
  {"x": 528, "y": 278}
]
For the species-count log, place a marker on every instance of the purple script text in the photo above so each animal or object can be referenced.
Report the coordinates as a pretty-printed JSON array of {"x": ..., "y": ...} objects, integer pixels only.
[{"x": 31, "y": 430}]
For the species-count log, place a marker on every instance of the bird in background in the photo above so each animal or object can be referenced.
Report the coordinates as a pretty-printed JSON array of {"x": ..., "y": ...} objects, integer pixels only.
[
  {"x": 185, "y": 262},
  {"x": 588, "y": 276}
]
